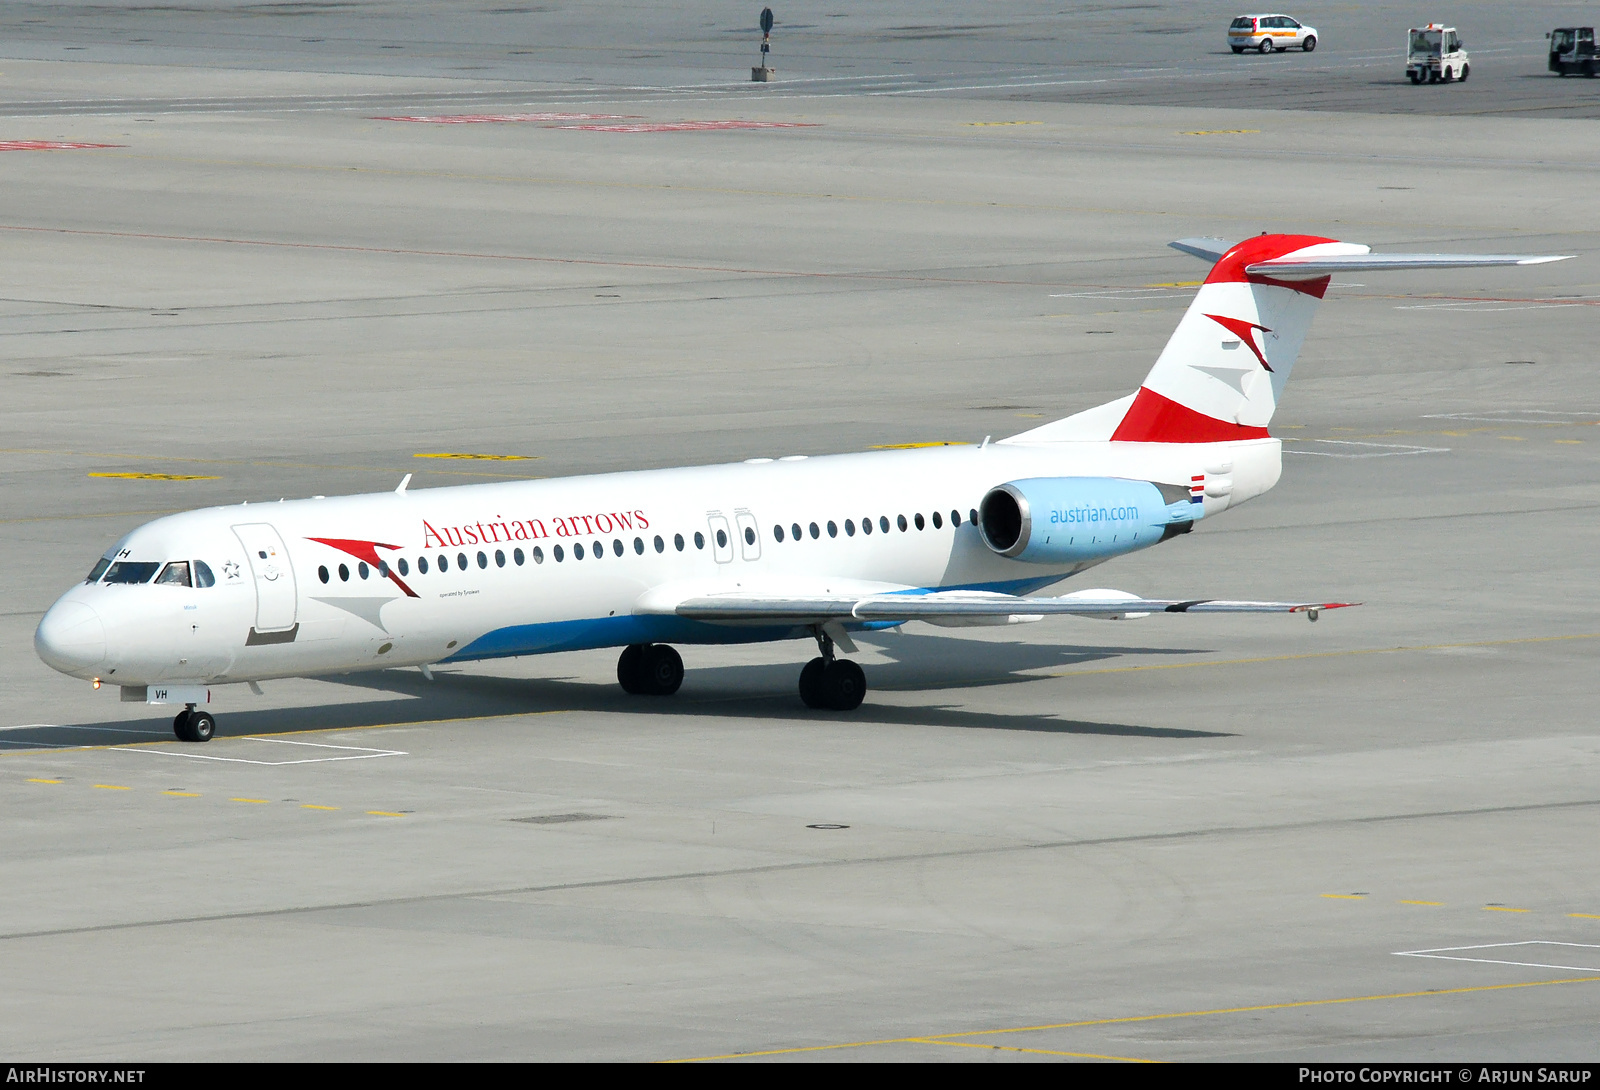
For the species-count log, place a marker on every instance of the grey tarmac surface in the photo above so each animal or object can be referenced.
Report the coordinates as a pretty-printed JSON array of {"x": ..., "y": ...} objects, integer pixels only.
[{"x": 1183, "y": 838}]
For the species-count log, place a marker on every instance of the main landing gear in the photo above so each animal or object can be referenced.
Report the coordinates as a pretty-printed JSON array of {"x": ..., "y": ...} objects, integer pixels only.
[
  {"x": 650, "y": 669},
  {"x": 194, "y": 726},
  {"x": 834, "y": 684}
]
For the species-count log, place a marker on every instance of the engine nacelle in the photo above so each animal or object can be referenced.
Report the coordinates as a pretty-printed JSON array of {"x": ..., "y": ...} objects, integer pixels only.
[{"x": 1069, "y": 520}]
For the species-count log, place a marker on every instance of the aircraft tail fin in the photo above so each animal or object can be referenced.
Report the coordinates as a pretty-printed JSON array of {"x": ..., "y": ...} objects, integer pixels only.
[{"x": 1222, "y": 372}]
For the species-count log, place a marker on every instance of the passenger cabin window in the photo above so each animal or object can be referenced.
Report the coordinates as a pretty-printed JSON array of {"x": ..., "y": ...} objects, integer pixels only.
[
  {"x": 699, "y": 540},
  {"x": 103, "y": 563},
  {"x": 849, "y": 528},
  {"x": 677, "y": 541},
  {"x": 422, "y": 565},
  {"x": 132, "y": 571},
  {"x": 661, "y": 546},
  {"x": 777, "y": 535},
  {"x": 175, "y": 574}
]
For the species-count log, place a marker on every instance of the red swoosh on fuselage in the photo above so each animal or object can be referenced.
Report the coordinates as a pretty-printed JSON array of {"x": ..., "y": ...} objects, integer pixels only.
[{"x": 368, "y": 551}]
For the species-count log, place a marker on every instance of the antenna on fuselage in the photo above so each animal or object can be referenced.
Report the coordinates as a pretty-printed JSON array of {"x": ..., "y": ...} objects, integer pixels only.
[{"x": 400, "y": 491}]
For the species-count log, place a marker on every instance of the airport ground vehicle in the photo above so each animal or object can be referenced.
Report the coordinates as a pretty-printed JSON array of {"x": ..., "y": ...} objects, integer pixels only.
[
  {"x": 1269, "y": 32},
  {"x": 1435, "y": 54},
  {"x": 1572, "y": 50}
]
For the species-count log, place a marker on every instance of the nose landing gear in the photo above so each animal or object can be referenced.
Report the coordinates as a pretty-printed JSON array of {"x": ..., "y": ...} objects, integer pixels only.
[
  {"x": 830, "y": 683},
  {"x": 194, "y": 726},
  {"x": 649, "y": 669}
]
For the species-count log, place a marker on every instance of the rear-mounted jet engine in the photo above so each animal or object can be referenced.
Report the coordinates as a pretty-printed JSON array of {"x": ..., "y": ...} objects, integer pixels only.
[{"x": 1054, "y": 520}]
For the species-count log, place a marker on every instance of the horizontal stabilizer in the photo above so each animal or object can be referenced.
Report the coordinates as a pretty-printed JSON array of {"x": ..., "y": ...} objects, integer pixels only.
[
  {"x": 1292, "y": 267},
  {"x": 1207, "y": 249}
]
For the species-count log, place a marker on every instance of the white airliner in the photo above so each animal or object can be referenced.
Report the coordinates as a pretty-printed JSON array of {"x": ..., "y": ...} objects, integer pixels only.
[{"x": 797, "y": 547}]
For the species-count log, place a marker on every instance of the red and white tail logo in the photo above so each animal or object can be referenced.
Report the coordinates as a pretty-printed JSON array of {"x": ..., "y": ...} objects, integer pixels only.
[{"x": 1221, "y": 374}]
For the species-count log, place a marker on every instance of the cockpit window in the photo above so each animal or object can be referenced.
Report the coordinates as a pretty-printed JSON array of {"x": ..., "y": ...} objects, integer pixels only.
[
  {"x": 202, "y": 575},
  {"x": 99, "y": 569},
  {"x": 131, "y": 571},
  {"x": 175, "y": 574}
]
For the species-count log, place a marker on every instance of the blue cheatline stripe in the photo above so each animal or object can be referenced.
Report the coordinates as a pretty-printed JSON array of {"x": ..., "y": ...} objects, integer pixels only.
[
  {"x": 591, "y": 633},
  {"x": 584, "y": 635}
]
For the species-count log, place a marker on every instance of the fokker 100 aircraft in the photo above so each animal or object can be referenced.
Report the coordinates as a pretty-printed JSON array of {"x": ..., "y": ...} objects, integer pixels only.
[{"x": 792, "y": 548}]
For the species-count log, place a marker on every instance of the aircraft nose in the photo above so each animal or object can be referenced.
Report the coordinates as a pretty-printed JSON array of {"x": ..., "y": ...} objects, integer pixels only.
[{"x": 71, "y": 638}]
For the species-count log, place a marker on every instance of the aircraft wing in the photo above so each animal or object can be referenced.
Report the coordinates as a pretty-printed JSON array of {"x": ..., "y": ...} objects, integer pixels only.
[{"x": 737, "y": 608}]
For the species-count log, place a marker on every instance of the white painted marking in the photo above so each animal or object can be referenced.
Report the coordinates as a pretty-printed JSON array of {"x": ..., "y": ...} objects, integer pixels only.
[
  {"x": 1519, "y": 416},
  {"x": 355, "y": 753},
  {"x": 1372, "y": 450},
  {"x": 1453, "y": 953},
  {"x": 1486, "y": 307}
]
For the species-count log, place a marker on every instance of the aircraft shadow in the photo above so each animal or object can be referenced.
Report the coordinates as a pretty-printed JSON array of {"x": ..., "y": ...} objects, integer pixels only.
[{"x": 918, "y": 664}]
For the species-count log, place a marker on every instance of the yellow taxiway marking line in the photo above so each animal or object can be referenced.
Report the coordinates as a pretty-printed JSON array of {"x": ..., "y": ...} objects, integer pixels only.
[
  {"x": 385, "y": 813},
  {"x": 250, "y": 800},
  {"x": 155, "y": 477},
  {"x": 1576, "y": 441},
  {"x": 1323, "y": 655},
  {"x": 1130, "y": 1019},
  {"x": 1503, "y": 908},
  {"x": 479, "y": 457},
  {"x": 1180, "y": 284},
  {"x": 1434, "y": 904},
  {"x": 182, "y": 794},
  {"x": 997, "y": 124},
  {"x": 38, "y": 779},
  {"x": 94, "y": 515},
  {"x": 234, "y": 462},
  {"x": 112, "y": 787},
  {"x": 1584, "y": 915},
  {"x": 1512, "y": 438},
  {"x": 919, "y": 446},
  {"x": 1222, "y": 132},
  {"x": 314, "y": 806},
  {"x": 1346, "y": 896},
  {"x": 1034, "y": 1051}
]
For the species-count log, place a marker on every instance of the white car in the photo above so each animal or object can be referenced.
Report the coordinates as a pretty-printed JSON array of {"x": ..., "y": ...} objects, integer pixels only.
[{"x": 1270, "y": 32}]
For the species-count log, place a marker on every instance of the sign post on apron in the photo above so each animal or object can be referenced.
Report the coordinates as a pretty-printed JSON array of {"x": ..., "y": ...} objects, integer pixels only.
[{"x": 764, "y": 74}]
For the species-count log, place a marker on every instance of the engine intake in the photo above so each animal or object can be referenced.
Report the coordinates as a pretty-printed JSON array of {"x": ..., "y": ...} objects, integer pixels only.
[{"x": 1063, "y": 520}]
